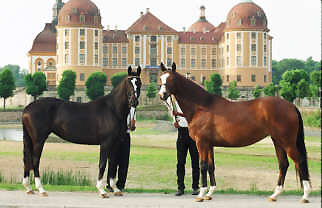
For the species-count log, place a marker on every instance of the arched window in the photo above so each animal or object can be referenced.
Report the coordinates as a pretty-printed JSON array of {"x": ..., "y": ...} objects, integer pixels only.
[{"x": 253, "y": 21}]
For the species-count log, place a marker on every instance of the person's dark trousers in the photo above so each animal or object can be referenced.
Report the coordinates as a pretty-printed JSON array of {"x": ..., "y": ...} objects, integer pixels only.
[
  {"x": 121, "y": 163},
  {"x": 185, "y": 143}
]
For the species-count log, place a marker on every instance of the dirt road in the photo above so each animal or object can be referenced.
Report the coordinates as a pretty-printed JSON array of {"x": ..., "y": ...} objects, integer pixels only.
[{"x": 18, "y": 199}]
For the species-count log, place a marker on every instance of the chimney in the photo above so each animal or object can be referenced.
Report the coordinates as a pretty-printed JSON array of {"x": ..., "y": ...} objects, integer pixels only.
[
  {"x": 141, "y": 13},
  {"x": 147, "y": 10}
]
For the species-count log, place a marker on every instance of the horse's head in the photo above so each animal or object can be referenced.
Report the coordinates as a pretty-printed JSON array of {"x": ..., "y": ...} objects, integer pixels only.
[
  {"x": 133, "y": 85},
  {"x": 167, "y": 81}
]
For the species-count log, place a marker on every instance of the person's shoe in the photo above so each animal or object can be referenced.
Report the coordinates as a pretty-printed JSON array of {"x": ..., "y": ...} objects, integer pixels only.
[
  {"x": 195, "y": 191},
  {"x": 180, "y": 192},
  {"x": 109, "y": 188}
]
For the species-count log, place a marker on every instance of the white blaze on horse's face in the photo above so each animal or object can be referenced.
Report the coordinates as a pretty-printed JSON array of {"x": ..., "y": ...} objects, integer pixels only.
[
  {"x": 163, "y": 89},
  {"x": 133, "y": 81}
]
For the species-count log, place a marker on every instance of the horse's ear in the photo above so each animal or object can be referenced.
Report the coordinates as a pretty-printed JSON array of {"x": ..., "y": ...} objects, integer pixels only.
[
  {"x": 163, "y": 67},
  {"x": 129, "y": 70},
  {"x": 174, "y": 67},
  {"x": 138, "y": 71}
]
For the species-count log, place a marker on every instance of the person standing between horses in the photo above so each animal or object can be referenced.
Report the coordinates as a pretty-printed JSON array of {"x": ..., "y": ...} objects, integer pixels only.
[{"x": 184, "y": 143}]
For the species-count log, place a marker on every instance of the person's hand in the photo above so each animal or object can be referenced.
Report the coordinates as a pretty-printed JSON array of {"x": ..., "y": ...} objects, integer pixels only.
[{"x": 175, "y": 124}]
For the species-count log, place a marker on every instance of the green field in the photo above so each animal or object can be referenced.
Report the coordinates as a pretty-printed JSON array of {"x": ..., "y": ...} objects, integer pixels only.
[{"x": 153, "y": 164}]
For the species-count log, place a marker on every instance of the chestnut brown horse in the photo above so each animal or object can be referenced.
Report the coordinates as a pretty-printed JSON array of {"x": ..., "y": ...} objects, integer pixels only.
[
  {"x": 103, "y": 122},
  {"x": 215, "y": 121}
]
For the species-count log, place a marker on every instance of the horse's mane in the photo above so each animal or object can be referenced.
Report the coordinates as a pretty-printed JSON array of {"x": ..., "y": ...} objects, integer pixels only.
[{"x": 192, "y": 91}]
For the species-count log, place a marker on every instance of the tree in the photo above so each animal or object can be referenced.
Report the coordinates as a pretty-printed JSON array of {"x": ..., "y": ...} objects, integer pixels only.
[
  {"x": 7, "y": 85},
  {"x": 117, "y": 78},
  {"x": 280, "y": 67},
  {"x": 257, "y": 92},
  {"x": 315, "y": 85},
  {"x": 214, "y": 85},
  {"x": 17, "y": 73},
  {"x": 287, "y": 91},
  {"x": 152, "y": 90},
  {"x": 95, "y": 85},
  {"x": 233, "y": 92},
  {"x": 302, "y": 89},
  {"x": 270, "y": 90},
  {"x": 35, "y": 84},
  {"x": 66, "y": 85}
]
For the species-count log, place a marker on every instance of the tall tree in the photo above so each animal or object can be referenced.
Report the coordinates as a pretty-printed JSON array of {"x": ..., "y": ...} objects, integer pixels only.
[
  {"x": 214, "y": 85},
  {"x": 7, "y": 85},
  {"x": 152, "y": 90},
  {"x": 117, "y": 78},
  {"x": 257, "y": 92},
  {"x": 18, "y": 74},
  {"x": 232, "y": 92},
  {"x": 270, "y": 90},
  {"x": 36, "y": 84},
  {"x": 95, "y": 85},
  {"x": 302, "y": 89},
  {"x": 66, "y": 85},
  {"x": 315, "y": 84}
]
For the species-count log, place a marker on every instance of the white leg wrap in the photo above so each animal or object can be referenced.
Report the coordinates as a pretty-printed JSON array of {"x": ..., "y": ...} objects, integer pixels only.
[
  {"x": 277, "y": 192},
  {"x": 211, "y": 190},
  {"x": 112, "y": 183},
  {"x": 117, "y": 190},
  {"x": 307, "y": 189},
  {"x": 202, "y": 192},
  {"x": 39, "y": 185},
  {"x": 100, "y": 187},
  {"x": 26, "y": 184}
]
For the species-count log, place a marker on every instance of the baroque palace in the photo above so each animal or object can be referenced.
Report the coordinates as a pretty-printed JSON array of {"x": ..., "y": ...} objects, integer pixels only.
[{"x": 239, "y": 48}]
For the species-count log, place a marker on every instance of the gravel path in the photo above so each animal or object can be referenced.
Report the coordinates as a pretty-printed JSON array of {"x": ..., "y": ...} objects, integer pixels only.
[{"x": 18, "y": 199}]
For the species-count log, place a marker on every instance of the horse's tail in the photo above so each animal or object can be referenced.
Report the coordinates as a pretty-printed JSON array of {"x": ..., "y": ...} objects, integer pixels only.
[
  {"x": 27, "y": 145},
  {"x": 303, "y": 165}
]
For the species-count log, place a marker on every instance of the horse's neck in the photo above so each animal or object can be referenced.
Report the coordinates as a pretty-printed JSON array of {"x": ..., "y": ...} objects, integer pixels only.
[
  {"x": 120, "y": 100},
  {"x": 187, "y": 107}
]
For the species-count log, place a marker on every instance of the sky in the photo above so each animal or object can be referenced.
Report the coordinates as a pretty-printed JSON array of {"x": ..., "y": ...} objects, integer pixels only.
[{"x": 295, "y": 25}]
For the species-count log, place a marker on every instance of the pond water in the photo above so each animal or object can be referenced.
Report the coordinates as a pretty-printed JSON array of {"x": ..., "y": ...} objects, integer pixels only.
[{"x": 13, "y": 134}]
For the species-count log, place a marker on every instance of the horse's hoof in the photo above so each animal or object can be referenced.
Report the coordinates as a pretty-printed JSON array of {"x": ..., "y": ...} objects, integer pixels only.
[
  {"x": 207, "y": 198},
  {"x": 43, "y": 194},
  {"x": 104, "y": 196},
  {"x": 199, "y": 199},
  {"x": 31, "y": 192},
  {"x": 118, "y": 193},
  {"x": 271, "y": 199},
  {"x": 305, "y": 201}
]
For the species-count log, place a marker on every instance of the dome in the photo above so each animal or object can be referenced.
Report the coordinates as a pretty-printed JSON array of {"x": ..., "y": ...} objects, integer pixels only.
[
  {"x": 79, "y": 13},
  {"x": 45, "y": 41},
  {"x": 202, "y": 25},
  {"x": 246, "y": 15}
]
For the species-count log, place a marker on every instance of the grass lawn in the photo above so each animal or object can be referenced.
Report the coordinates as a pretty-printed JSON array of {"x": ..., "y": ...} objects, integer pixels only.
[{"x": 153, "y": 164}]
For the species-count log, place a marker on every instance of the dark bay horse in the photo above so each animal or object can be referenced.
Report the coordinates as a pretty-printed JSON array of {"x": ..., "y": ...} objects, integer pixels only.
[
  {"x": 103, "y": 122},
  {"x": 215, "y": 121}
]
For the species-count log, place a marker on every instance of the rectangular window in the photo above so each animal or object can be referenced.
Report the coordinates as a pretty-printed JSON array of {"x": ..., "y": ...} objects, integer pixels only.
[
  {"x": 105, "y": 61},
  {"x": 137, "y": 50},
  {"x": 264, "y": 36},
  {"x": 124, "y": 61},
  {"x": 81, "y": 76},
  {"x": 96, "y": 59},
  {"x": 265, "y": 48},
  {"x": 203, "y": 51},
  {"x": 193, "y": 63},
  {"x": 153, "y": 38},
  {"x": 153, "y": 61},
  {"x": 253, "y": 35},
  {"x": 265, "y": 60},
  {"x": 66, "y": 58},
  {"x": 169, "y": 50},
  {"x": 238, "y": 78},
  {"x": 124, "y": 50},
  {"x": 96, "y": 45},
  {"x": 183, "y": 51},
  {"x": 82, "y": 18},
  {"x": 82, "y": 32},
  {"x": 105, "y": 49},
  {"x": 213, "y": 51},
  {"x": 169, "y": 62},
  {"x": 238, "y": 47},
  {"x": 203, "y": 63},
  {"x": 66, "y": 32},
  {"x": 137, "y": 38},
  {"x": 82, "y": 45},
  {"x": 265, "y": 78},
  {"x": 114, "y": 49},
  {"x": 213, "y": 63},
  {"x": 96, "y": 33},
  {"x": 153, "y": 49},
  {"x": 227, "y": 78},
  {"x": 253, "y": 47},
  {"x": 227, "y": 48},
  {"x": 227, "y": 36},
  {"x": 238, "y": 60},
  {"x": 227, "y": 61},
  {"x": 183, "y": 63},
  {"x": 137, "y": 61},
  {"x": 253, "y": 60},
  {"x": 169, "y": 39},
  {"x": 193, "y": 51},
  {"x": 238, "y": 35},
  {"x": 253, "y": 78},
  {"x": 82, "y": 58},
  {"x": 114, "y": 62},
  {"x": 66, "y": 45}
]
